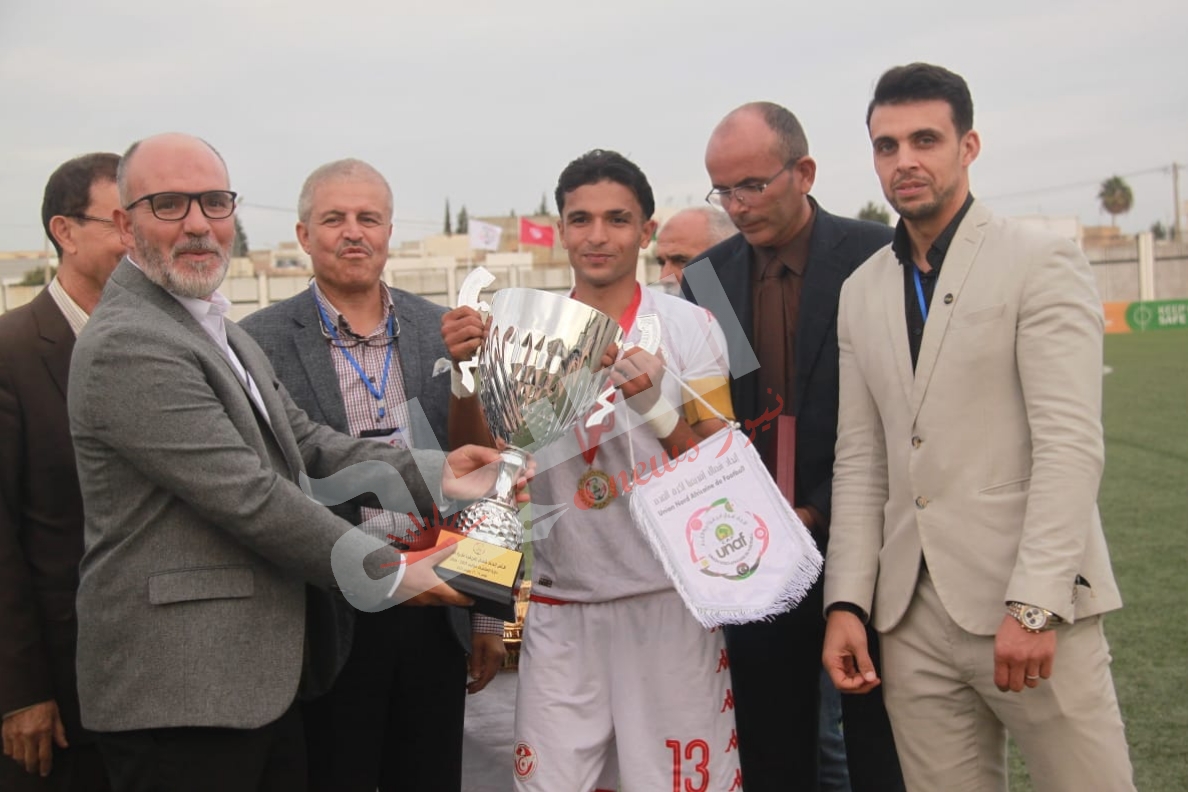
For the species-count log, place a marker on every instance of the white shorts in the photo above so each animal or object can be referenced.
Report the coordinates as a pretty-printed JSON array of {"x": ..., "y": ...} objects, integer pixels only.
[{"x": 636, "y": 683}]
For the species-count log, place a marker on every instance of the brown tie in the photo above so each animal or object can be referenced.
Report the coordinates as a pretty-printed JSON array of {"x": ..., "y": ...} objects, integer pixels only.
[{"x": 771, "y": 336}]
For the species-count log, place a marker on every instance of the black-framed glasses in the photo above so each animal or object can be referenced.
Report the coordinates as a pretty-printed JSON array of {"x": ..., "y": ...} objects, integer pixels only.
[
  {"x": 744, "y": 193},
  {"x": 86, "y": 218},
  {"x": 169, "y": 206},
  {"x": 344, "y": 339}
]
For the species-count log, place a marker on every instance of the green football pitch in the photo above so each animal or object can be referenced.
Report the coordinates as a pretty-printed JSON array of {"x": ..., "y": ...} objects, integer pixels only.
[{"x": 1144, "y": 505}]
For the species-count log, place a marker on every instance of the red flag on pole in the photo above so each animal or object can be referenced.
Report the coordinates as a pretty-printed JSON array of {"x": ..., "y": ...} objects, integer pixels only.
[{"x": 535, "y": 234}]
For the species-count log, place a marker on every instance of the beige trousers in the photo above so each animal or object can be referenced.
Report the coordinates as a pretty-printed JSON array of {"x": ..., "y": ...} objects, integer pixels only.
[{"x": 951, "y": 722}]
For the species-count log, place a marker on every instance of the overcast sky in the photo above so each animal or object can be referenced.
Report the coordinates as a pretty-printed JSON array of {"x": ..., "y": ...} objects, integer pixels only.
[{"x": 485, "y": 102}]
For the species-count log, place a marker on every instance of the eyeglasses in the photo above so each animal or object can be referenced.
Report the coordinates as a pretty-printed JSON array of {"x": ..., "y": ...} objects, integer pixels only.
[
  {"x": 170, "y": 206},
  {"x": 86, "y": 218},
  {"x": 744, "y": 193},
  {"x": 344, "y": 339}
]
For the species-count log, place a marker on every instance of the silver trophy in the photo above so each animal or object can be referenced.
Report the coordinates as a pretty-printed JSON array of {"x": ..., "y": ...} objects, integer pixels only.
[{"x": 535, "y": 377}]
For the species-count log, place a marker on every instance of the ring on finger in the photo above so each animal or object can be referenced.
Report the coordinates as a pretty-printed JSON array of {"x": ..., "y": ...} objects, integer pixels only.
[{"x": 1029, "y": 676}]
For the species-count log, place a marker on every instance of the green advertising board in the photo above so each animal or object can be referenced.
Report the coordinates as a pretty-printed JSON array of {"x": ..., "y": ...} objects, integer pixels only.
[{"x": 1157, "y": 315}]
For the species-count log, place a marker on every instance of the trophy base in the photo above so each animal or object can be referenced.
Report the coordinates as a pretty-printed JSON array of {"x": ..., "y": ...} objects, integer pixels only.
[{"x": 487, "y": 573}]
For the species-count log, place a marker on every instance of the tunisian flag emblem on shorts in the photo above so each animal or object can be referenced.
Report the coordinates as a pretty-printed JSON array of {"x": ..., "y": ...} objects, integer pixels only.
[{"x": 534, "y": 234}]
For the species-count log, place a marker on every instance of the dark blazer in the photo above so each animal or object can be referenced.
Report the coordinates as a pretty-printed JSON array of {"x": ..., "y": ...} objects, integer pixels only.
[
  {"x": 776, "y": 665},
  {"x": 41, "y": 514},
  {"x": 837, "y": 247},
  {"x": 291, "y": 337}
]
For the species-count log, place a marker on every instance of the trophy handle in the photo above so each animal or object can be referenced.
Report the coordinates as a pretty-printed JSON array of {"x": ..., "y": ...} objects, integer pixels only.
[
  {"x": 478, "y": 279},
  {"x": 468, "y": 294}
]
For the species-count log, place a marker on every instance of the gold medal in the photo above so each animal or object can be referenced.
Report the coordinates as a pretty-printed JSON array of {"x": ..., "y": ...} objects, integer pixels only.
[{"x": 596, "y": 489}]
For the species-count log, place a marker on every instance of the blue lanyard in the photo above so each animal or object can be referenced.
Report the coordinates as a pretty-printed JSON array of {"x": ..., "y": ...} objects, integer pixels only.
[
  {"x": 920, "y": 293},
  {"x": 377, "y": 393}
]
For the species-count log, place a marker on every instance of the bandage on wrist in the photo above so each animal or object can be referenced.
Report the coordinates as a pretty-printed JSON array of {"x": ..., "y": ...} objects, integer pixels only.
[{"x": 661, "y": 418}]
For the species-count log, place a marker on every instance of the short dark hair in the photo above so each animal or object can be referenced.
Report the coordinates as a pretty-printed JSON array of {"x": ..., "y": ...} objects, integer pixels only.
[
  {"x": 68, "y": 191},
  {"x": 791, "y": 142},
  {"x": 600, "y": 165},
  {"x": 922, "y": 82}
]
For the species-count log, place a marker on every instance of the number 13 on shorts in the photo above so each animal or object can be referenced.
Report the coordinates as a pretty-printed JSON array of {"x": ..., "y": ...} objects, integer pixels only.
[{"x": 691, "y": 766}]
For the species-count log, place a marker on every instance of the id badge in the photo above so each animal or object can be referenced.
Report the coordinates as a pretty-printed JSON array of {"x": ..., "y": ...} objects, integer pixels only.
[{"x": 392, "y": 437}]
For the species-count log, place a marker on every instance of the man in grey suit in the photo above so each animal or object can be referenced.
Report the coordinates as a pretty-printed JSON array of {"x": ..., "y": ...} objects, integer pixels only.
[
  {"x": 969, "y": 452},
  {"x": 358, "y": 357},
  {"x": 198, "y": 540}
]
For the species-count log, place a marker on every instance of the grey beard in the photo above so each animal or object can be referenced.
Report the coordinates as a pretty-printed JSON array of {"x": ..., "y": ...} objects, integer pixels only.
[{"x": 176, "y": 278}]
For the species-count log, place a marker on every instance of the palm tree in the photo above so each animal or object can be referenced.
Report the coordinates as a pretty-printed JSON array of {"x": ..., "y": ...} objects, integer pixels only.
[
  {"x": 875, "y": 213},
  {"x": 1116, "y": 197}
]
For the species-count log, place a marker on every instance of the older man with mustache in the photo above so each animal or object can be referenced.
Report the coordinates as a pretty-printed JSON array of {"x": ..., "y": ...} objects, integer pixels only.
[
  {"x": 197, "y": 628},
  {"x": 358, "y": 356}
]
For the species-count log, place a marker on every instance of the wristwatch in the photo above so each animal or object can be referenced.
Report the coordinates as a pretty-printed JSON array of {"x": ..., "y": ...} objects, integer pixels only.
[{"x": 1032, "y": 618}]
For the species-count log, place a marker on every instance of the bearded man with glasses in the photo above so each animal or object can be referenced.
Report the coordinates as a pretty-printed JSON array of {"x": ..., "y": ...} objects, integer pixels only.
[
  {"x": 783, "y": 275},
  {"x": 197, "y": 627},
  {"x": 358, "y": 356}
]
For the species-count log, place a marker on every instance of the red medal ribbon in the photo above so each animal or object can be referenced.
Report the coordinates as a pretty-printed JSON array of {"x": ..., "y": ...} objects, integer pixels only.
[{"x": 628, "y": 317}]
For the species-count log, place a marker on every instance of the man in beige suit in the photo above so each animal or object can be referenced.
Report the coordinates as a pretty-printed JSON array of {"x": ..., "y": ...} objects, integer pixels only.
[{"x": 969, "y": 453}]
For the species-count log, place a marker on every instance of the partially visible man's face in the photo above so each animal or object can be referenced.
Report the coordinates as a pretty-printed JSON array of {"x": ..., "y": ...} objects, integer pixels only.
[
  {"x": 741, "y": 151},
  {"x": 920, "y": 159},
  {"x": 603, "y": 229},
  {"x": 684, "y": 236},
  {"x": 99, "y": 246},
  {"x": 188, "y": 257},
  {"x": 347, "y": 234}
]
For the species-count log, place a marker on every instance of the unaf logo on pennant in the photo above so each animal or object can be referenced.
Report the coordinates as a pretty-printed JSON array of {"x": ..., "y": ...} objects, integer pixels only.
[{"x": 726, "y": 542}]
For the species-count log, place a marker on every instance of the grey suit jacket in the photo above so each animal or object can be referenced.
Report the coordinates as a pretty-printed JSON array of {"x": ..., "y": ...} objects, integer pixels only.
[
  {"x": 986, "y": 461},
  {"x": 198, "y": 541},
  {"x": 289, "y": 332}
]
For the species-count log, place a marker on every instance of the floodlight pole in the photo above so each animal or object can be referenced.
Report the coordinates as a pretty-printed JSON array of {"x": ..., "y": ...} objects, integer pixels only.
[{"x": 1179, "y": 210}]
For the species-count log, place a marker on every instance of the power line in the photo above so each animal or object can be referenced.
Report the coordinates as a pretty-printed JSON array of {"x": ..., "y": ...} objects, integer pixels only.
[{"x": 1075, "y": 185}]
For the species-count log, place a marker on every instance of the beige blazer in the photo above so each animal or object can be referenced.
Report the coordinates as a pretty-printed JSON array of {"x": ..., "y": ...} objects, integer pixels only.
[{"x": 987, "y": 460}]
